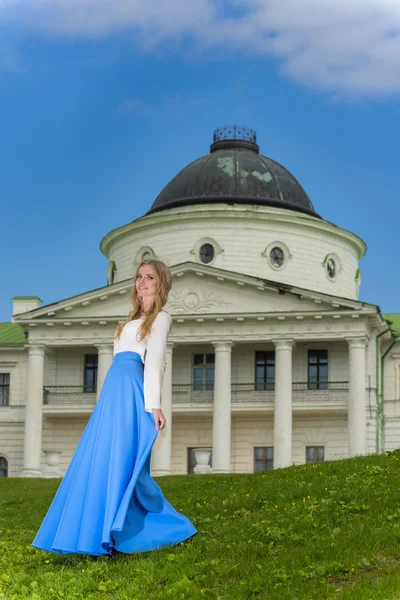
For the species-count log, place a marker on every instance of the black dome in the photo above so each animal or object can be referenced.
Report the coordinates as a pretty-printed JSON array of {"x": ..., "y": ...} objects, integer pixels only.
[{"x": 234, "y": 173}]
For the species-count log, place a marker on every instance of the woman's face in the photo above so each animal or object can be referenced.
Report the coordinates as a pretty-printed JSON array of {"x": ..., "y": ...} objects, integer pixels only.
[{"x": 146, "y": 282}]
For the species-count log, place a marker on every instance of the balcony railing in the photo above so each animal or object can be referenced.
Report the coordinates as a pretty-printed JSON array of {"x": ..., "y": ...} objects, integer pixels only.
[
  {"x": 69, "y": 394},
  {"x": 331, "y": 392},
  {"x": 243, "y": 393}
]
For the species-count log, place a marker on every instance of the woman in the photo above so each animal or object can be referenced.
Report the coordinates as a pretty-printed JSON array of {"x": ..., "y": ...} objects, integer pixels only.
[{"x": 107, "y": 501}]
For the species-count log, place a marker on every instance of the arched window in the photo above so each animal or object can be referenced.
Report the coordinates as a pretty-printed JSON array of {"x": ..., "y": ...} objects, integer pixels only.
[
  {"x": 111, "y": 271},
  {"x": 142, "y": 254},
  {"x": 3, "y": 467}
]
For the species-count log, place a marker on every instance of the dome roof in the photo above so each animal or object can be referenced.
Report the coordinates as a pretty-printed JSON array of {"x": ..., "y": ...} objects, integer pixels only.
[{"x": 235, "y": 173}]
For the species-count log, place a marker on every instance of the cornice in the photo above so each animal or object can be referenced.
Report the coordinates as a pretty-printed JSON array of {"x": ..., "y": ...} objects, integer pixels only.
[{"x": 295, "y": 316}]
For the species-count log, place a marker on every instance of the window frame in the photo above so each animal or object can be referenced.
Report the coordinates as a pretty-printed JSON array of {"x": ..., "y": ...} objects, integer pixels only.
[
  {"x": 315, "y": 448},
  {"x": 287, "y": 255},
  {"x": 207, "y": 262},
  {"x": 199, "y": 243},
  {"x": 266, "y": 385},
  {"x": 206, "y": 385},
  {"x": 266, "y": 461},
  {"x": 90, "y": 388},
  {"x": 318, "y": 384},
  {"x": 5, "y": 388}
]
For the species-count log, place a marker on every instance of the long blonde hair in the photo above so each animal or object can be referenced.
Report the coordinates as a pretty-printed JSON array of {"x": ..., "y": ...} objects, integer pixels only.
[{"x": 164, "y": 286}]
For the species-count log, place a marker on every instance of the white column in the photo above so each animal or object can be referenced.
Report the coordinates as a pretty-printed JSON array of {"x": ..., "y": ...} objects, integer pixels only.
[
  {"x": 283, "y": 404},
  {"x": 161, "y": 454},
  {"x": 221, "y": 457},
  {"x": 357, "y": 405},
  {"x": 34, "y": 413},
  {"x": 106, "y": 355}
]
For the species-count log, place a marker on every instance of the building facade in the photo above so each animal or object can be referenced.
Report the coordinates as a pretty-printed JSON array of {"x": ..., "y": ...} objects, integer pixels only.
[{"x": 272, "y": 359}]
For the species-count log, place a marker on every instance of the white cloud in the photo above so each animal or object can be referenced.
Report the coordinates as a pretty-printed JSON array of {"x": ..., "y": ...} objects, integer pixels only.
[{"x": 346, "y": 46}]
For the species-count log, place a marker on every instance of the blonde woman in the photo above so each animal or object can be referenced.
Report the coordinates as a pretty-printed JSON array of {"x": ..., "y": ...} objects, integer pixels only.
[{"x": 107, "y": 501}]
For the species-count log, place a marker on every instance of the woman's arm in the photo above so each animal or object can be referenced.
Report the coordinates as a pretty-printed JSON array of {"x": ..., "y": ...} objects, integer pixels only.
[{"x": 154, "y": 366}]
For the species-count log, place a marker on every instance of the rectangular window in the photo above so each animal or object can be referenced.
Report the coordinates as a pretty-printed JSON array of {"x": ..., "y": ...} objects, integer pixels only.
[
  {"x": 263, "y": 459},
  {"x": 191, "y": 459},
  {"x": 265, "y": 370},
  {"x": 203, "y": 372},
  {"x": 4, "y": 389},
  {"x": 317, "y": 369},
  {"x": 315, "y": 454},
  {"x": 90, "y": 375}
]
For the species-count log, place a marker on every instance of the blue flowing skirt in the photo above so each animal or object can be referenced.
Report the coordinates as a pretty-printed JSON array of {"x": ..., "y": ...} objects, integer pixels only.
[{"x": 107, "y": 499}]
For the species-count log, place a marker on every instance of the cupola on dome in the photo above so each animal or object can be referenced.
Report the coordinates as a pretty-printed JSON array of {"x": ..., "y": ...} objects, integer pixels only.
[{"x": 234, "y": 173}]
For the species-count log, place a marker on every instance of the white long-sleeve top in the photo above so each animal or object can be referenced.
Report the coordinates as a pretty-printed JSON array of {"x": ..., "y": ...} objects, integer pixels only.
[{"x": 152, "y": 351}]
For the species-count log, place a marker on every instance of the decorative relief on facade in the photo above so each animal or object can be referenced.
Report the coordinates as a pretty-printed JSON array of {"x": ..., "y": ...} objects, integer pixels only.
[{"x": 196, "y": 300}]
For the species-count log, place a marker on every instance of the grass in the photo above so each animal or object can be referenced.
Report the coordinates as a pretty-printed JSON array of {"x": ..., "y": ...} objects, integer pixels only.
[{"x": 315, "y": 532}]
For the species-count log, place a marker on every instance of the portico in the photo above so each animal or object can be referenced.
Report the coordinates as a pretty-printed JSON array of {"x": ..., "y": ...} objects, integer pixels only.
[{"x": 232, "y": 392}]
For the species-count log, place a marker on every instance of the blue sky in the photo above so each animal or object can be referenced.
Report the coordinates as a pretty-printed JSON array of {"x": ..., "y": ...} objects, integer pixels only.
[{"x": 100, "y": 110}]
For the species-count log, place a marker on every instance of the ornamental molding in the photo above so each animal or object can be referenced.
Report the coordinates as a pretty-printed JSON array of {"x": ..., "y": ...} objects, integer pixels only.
[
  {"x": 7, "y": 365},
  {"x": 283, "y": 344},
  {"x": 223, "y": 345},
  {"x": 357, "y": 342},
  {"x": 140, "y": 253},
  {"x": 189, "y": 300}
]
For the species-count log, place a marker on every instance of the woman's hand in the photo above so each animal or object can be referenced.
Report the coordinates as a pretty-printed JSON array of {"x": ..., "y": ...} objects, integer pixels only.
[{"x": 159, "y": 418}]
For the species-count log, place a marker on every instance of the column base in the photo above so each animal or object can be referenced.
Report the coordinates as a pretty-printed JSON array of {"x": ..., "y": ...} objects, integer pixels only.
[
  {"x": 221, "y": 471},
  {"x": 31, "y": 473},
  {"x": 160, "y": 473}
]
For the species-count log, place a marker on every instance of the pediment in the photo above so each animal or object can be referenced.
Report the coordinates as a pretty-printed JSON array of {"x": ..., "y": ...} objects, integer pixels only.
[
  {"x": 194, "y": 293},
  {"x": 197, "y": 290}
]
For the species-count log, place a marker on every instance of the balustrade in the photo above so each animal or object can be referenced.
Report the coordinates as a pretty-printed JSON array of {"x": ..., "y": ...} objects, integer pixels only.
[{"x": 202, "y": 394}]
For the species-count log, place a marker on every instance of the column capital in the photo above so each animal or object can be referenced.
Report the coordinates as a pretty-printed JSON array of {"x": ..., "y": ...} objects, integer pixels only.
[
  {"x": 38, "y": 349},
  {"x": 170, "y": 347},
  {"x": 105, "y": 348},
  {"x": 221, "y": 346},
  {"x": 283, "y": 344},
  {"x": 357, "y": 342}
]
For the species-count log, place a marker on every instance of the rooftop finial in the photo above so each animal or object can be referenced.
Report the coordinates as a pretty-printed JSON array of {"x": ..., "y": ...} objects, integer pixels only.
[
  {"x": 234, "y": 136},
  {"x": 235, "y": 132}
]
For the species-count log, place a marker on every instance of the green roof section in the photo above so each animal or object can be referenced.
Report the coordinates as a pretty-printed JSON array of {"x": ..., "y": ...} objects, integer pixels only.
[
  {"x": 394, "y": 319},
  {"x": 27, "y": 298},
  {"x": 11, "y": 335}
]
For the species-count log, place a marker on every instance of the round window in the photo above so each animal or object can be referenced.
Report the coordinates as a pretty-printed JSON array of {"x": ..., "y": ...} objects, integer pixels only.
[
  {"x": 277, "y": 257},
  {"x": 207, "y": 253},
  {"x": 331, "y": 268}
]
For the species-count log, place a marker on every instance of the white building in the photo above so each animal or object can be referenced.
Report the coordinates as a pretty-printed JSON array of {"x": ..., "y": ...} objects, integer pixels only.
[{"x": 272, "y": 359}]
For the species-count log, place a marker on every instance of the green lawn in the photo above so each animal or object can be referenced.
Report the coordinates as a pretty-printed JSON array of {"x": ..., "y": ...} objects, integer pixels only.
[{"x": 330, "y": 530}]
